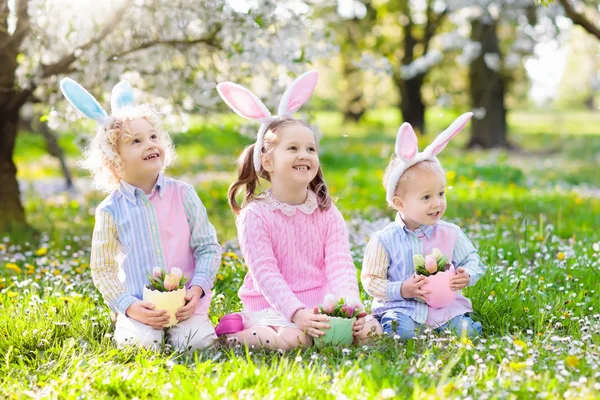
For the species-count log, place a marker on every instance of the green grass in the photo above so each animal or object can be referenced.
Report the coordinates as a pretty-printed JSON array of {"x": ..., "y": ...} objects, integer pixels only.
[{"x": 534, "y": 217}]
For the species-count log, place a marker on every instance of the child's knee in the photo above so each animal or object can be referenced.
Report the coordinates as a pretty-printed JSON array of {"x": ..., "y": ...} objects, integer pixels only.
[
  {"x": 400, "y": 325},
  {"x": 473, "y": 328},
  {"x": 371, "y": 329},
  {"x": 406, "y": 332},
  {"x": 305, "y": 341},
  {"x": 151, "y": 339},
  {"x": 465, "y": 326},
  {"x": 194, "y": 340},
  {"x": 129, "y": 332},
  {"x": 195, "y": 333}
]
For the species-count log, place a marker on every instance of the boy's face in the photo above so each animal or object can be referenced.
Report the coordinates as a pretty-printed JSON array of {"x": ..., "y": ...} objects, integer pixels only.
[
  {"x": 421, "y": 200},
  {"x": 294, "y": 160},
  {"x": 143, "y": 154}
]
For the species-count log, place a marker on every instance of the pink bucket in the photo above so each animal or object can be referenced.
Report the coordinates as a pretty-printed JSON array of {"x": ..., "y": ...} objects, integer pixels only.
[{"x": 439, "y": 285}]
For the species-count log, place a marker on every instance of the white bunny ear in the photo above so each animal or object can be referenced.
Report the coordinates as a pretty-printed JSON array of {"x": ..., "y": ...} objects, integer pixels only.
[
  {"x": 82, "y": 100},
  {"x": 243, "y": 102},
  {"x": 406, "y": 142},
  {"x": 443, "y": 138},
  {"x": 298, "y": 92},
  {"x": 121, "y": 96}
]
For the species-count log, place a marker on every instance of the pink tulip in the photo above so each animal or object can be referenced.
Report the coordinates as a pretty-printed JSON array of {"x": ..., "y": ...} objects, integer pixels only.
[
  {"x": 431, "y": 264},
  {"x": 177, "y": 272},
  {"x": 355, "y": 303},
  {"x": 157, "y": 272},
  {"x": 171, "y": 282},
  {"x": 348, "y": 311},
  {"x": 329, "y": 304}
]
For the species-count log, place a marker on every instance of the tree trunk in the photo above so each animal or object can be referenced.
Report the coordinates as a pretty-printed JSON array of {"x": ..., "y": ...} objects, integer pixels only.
[
  {"x": 12, "y": 214},
  {"x": 55, "y": 150},
  {"x": 353, "y": 102},
  {"x": 52, "y": 145},
  {"x": 412, "y": 105},
  {"x": 487, "y": 87},
  {"x": 351, "y": 35},
  {"x": 411, "y": 101}
]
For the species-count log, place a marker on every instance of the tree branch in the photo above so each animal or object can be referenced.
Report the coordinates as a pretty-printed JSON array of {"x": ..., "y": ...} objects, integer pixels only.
[
  {"x": 22, "y": 28},
  {"x": 63, "y": 65},
  {"x": 209, "y": 41},
  {"x": 3, "y": 18},
  {"x": 409, "y": 40},
  {"x": 11, "y": 43},
  {"x": 432, "y": 25},
  {"x": 580, "y": 19}
]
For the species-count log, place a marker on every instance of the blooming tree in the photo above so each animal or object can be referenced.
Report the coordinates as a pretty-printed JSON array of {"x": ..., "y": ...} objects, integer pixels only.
[
  {"x": 408, "y": 39},
  {"x": 583, "y": 14},
  {"x": 401, "y": 35},
  {"x": 501, "y": 34},
  {"x": 173, "y": 51}
]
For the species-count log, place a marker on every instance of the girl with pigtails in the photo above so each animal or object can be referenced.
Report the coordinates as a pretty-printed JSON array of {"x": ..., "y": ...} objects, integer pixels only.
[
  {"x": 146, "y": 222},
  {"x": 293, "y": 238}
]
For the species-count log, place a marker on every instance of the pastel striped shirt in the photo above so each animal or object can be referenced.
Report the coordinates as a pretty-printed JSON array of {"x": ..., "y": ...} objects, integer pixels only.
[
  {"x": 388, "y": 262},
  {"x": 135, "y": 232}
]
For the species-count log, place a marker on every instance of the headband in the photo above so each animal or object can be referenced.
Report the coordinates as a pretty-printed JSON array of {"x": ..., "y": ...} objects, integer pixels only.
[
  {"x": 407, "y": 150},
  {"x": 246, "y": 104}
]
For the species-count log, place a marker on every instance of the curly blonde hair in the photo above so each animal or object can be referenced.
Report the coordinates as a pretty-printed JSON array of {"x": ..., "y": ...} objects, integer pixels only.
[{"x": 101, "y": 157}]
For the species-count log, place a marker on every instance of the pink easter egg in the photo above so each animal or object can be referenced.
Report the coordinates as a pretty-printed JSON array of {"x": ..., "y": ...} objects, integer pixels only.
[{"x": 439, "y": 285}]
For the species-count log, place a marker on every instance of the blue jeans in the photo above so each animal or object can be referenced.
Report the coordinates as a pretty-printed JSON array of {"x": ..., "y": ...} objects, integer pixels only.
[{"x": 395, "y": 322}]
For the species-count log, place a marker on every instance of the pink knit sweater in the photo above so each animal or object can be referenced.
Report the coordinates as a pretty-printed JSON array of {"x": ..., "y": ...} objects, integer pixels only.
[{"x": 295, "y": 255}]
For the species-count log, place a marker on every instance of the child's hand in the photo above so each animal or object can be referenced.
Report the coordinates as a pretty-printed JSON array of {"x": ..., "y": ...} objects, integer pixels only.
[
  {"x": 460, "y": 280},
  {"x": 310, "y": 321},
  {"x": 359, "y": 324},
  {"x": 411, "y": 288},
  {"x": 143, "y": 312},
  {"x": 192, "y": 296}
]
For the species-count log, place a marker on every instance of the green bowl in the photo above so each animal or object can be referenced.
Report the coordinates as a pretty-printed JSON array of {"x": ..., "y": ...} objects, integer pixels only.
[{"x": 338, "y": 334}]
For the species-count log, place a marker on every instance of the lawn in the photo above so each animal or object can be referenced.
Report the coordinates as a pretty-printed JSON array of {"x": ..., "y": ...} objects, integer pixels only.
[{"x": 534, "y": 215}]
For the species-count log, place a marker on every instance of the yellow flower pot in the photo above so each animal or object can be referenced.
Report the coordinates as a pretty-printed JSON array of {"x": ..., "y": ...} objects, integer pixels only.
[{"x": 170, "y": 301}]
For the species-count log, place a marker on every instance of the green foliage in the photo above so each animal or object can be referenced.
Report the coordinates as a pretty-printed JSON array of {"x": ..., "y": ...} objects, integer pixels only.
[{"x": 158, "y": 282}]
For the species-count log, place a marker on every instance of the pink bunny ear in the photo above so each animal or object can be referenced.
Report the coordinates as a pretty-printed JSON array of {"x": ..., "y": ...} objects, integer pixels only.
[
  {"x": 243, "y": 102},
  {"x": 298, "y": 93},
  {"x": 406, "y": 142},
  {"x": 443, "y": 138}
]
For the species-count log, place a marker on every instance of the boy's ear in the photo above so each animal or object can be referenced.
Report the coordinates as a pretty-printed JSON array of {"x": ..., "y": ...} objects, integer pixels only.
[{"x": 398, "y": 204}]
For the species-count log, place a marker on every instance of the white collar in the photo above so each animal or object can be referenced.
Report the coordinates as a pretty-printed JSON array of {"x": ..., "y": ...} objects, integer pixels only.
[{"x": 308, "y": 207}]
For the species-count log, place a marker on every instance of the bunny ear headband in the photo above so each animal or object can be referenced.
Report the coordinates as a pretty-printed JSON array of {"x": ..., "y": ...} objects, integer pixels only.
[
  {"x": 245, "y": 103},
  {"x": 407, "y": 150},
  {"x": 121, "y": 96}
]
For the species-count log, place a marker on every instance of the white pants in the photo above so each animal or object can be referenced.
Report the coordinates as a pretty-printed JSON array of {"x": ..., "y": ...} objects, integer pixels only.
[{"x": 195, "y": 332}]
